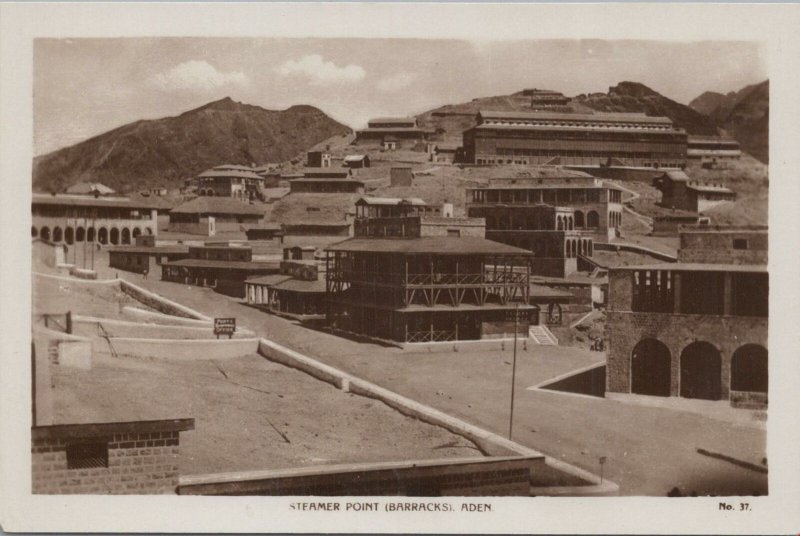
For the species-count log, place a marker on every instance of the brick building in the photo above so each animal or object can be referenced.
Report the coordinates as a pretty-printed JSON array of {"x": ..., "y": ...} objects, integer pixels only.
[
  {"x": 696, "y": 328},
  {"x": 416, "y": 280},
  {"x": 318, "y": 159},
  {"x": 679, "y": 191},
  {"x": 550, "y": 137}
]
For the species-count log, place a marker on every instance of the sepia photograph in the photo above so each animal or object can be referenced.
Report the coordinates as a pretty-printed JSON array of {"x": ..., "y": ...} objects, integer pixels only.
[{"x": 370, "y": 273}]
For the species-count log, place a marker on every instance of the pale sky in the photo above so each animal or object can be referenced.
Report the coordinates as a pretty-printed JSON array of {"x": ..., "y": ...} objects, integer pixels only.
[{"x": 84, "y": 87}]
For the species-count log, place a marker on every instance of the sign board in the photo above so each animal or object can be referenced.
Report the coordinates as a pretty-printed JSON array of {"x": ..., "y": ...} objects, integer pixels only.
[{"x": 224, "y": 326}]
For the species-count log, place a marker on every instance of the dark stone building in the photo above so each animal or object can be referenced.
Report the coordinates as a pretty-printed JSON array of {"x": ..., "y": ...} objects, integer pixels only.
[{"x": 696, "y": 328}]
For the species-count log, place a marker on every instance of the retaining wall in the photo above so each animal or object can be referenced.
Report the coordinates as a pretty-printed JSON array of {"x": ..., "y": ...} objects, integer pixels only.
[
  {"x": 186, "y": 350},
  {"x": 159, "y": 303},
  {"x": 491, "y": 444},
  {"x": 153, "y": 316},
  {"x": 90, "y": 327}
]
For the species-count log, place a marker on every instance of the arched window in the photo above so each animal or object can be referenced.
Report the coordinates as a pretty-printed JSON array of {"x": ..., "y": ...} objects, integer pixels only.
[
  {"x": 126, "y": 236},
  {"x": 650, "y": 368},
  {"x": 102, "y": 235},
  {"x": 69, "y": 235},
  {"x": 57, "y": 234},
  {"x": 80, "y": 234},
  {"x": 592, "y": 220},
  {"x": 579, "y": 219},
  {"x": 136, "y": 232},
  {"x": 560, "y": 224},
  {"x": 701, "y": 371},
  {"x": 45, "y": 233},
  {"x": 90, "y": 234},
  {"x": 114, "y": 236},
  {"x": 749, "y": 369}
]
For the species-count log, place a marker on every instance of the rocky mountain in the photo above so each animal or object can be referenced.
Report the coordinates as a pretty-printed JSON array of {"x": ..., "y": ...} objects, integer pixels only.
[
  {"x": 452, "y": 119},
  {"x": 636, "y": 97},
  {"x": 742, "y": 114},
  {"x": 707, "y": 102},
  {"x": 164, "y": 151}
]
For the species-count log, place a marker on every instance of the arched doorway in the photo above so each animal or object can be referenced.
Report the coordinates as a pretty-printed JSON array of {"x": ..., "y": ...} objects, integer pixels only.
[
  {"x": 126, "y": 236},
  {"x": 45, "y": 233},
  {"x": 579, "y": 219},
  {"x": 554, "y": 314},
  {"x": 34, "y": 232},
  {"x": 90, "y": 234},
  {"x": 57, "y": 234},
  {"x": 593, "y": 219},
  {"x": 149, "y": 230},
  {"x": 80, "y": 234},
  {"x": 102, "y": 235},
  {"x": 69, "y": 235},
  {"x": 701, "y": 371},
  {"x": 651, "y": 368},
  {"x": 136, "y": 232},
  {"x": 749, "y": 369},
  {"x": 560, "y": 224}
]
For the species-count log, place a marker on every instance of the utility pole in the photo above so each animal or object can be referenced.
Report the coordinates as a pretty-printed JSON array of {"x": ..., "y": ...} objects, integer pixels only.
[{"x": 513, "y": 371}]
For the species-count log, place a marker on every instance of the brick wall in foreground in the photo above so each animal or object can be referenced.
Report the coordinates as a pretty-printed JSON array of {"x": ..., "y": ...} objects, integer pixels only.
[{"x": 140, "y": 457}]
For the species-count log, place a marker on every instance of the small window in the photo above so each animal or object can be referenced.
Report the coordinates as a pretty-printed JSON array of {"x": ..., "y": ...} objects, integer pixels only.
[
  {"x": 453, "y": 232},
  {"x": 87, "y": 456},
  {"x": 739, "y": 243}
]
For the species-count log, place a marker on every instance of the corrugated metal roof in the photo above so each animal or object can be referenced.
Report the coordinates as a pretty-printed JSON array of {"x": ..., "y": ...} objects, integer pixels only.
[
  {"x": 217, "y": 205},
  {"x": 299, "y": 285},
  {"x": 270, "y": 279},
  {"x": 441, "y": 245},
  {"x": 236, "y": 265},
  {"x": 710, "y": 188},
  {"x": 89, "y": 201},
  {"x": 605, "y": 117},
  {"x": 677, "y": 176}
]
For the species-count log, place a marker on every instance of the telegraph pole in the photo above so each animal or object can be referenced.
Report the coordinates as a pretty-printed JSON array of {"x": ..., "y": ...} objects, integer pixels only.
[{"x": 513, "y": 371}]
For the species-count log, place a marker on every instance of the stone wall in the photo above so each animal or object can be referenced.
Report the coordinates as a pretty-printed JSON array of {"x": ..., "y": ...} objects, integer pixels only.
[
  {"x": 157, "y": 302},
  {"x": 624, "y": 329},
  {"x": 717, "y": 246},
  {"x": 431, "y": 478},
  {"x": 110, "y": 458}
]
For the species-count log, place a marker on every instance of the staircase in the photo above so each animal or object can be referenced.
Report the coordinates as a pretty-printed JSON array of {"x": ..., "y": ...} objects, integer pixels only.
[{"x": 542, "y": 335}]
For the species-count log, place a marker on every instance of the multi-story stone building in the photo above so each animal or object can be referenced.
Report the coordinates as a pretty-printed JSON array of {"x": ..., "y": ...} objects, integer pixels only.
[
  {"x": 712, "y": 150},
  {"x": 105, "y": 220},
  {"x": 548, "y": 137},
  {"x": 238, "y": 182},
  {"x": 696, "y": 328}
]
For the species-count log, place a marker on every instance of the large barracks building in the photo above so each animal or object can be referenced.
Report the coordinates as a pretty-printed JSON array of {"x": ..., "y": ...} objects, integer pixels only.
[{"x": 558, "y": 138}]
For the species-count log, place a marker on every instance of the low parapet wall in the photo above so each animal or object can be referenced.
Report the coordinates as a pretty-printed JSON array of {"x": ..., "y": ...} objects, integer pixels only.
[
  {"x": 92, "y": 327},
  {"x": 159, "y": 303},
  {"x": 508, "y": 476},
  {"x": 490, "y": 443},
  {"x": 185, "y": 350},
  {"x": 156, "y": 317}
]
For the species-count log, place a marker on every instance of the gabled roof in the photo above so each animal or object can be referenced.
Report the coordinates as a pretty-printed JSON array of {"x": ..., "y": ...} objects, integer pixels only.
[
  {"x": 709, "y": 188},
  {"x": 355, "y": 157},
  {"x": 217, "y": 205},
  {"x": 435, "y": 245},
  {"x": 677, "y": 176}
]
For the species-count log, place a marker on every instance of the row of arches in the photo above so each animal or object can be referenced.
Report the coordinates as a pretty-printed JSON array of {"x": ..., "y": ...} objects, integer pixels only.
[
  {"x": 700, "y": 370},
  {"x": 103, "y": 235},
  {"x": 533, "y": 222},
  {"x": 206, "y": 192}
]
